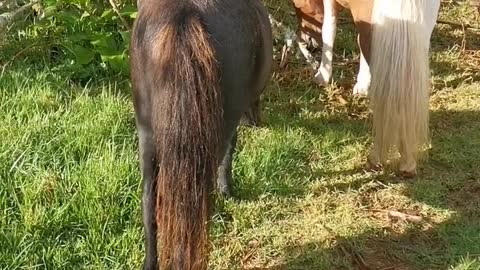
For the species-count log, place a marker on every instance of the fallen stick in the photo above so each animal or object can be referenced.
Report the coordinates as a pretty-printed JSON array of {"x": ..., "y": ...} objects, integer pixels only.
[
  {"x": 399, "y": 215},
  {"x": 407, "y": 217},
  {"x": 356, "y": 258},
  {"x": 458, "y": 25}
]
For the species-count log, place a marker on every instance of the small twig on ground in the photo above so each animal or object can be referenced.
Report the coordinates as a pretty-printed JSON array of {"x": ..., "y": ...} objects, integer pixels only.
[
  {"x": 400, "y": 215},
  {"x": 356, "y": 258},
  {"x": 407, "y": 217},
  {"x": 283, "y": 60},
  {"x": 458, "y": 25},
  {"x": 115, "y": 9},
  {"x": 254, "y": 244}
]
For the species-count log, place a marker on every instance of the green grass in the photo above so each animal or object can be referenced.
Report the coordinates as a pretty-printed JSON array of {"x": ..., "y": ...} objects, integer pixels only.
[{"x": 70, "y": 183}]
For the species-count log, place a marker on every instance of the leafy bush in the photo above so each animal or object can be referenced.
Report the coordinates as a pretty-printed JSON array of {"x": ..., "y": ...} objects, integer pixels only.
[{"x": 81, "y": 37}]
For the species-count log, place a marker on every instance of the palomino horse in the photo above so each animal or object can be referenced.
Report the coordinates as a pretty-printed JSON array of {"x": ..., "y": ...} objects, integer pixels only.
[
  {"x": 394, "y": 37},
  {"x": 192, "y": 81}
]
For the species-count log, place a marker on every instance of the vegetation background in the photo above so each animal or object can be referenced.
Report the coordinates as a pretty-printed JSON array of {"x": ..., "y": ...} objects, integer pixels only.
[{"x": 70, "y": 183}]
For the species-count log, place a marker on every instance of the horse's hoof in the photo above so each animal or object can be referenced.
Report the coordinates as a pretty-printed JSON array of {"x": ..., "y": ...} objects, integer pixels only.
[
  {"x": 320, "y": 80},
  {"x": 247, "y": 121},
  {"x": 225, "y": 192},
  {"x": 360, "y": 89},
  {"x": 150, "y": 264},
  {"x": 251, "y": 118},
  {"x": 372, "y": 166},
  {"x": 223, "y": 187},
  {"x": 323, "y": 75},
  {"x": 406, "y": 174}
]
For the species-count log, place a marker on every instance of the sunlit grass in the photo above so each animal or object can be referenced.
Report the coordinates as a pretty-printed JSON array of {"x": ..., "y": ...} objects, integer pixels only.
[{"x": 70, "y": 183}]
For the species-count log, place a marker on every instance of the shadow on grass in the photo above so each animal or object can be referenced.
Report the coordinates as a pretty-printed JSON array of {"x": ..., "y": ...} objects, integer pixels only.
[
  {"x": 449, "y": 180},
  {"x": 455, "y": 58},
  {"x": 278, "y": 161}
]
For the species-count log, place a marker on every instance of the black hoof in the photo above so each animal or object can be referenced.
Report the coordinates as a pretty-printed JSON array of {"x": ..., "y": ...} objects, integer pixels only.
[
  {"x": 225, "y": 191},
  {"x": 407, "y": 175},
  {"x": 373, "y": 167},
  {"x": 150, "y": 264}
]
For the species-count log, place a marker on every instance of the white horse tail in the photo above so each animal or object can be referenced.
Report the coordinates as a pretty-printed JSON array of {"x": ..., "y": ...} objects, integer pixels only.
[{"x": 399, "y": 91}]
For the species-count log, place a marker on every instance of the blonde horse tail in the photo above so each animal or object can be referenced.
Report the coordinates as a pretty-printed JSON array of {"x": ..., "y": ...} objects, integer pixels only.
[{"x": 399, "y": 93}]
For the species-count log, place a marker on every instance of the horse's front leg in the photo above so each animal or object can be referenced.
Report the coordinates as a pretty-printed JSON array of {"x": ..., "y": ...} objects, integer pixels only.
[
  {"x": 364, "y": 76},
  {"x": 362, "y": 16},
  {"x": 329, "y": 30}
]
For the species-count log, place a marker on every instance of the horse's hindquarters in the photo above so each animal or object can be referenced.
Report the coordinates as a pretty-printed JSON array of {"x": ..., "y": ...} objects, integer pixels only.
[{"x": 244, "y": 53}]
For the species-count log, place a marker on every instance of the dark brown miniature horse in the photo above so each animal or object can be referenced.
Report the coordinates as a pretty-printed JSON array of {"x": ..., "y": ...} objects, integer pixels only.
[{"x": 197, "y": 66}]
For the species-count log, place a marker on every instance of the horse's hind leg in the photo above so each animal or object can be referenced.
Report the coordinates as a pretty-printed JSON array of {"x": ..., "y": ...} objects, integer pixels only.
[
  {"x": 252, "y": 116},
  {"x": 373, "y": 160},
  {"x": 407, "y": 167},
  {"x": 225, "y": 179},
  {"x": 148, "y": 169},
  {"x": 147, "y": 160}
]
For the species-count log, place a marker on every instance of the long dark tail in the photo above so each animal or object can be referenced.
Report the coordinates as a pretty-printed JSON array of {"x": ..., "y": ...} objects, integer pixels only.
[{"x": 188, "y": 117}]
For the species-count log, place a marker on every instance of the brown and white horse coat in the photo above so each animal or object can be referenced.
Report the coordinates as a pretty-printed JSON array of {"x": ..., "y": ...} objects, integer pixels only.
[
  {"x": 394, "y": 39},
  {"x": 317, "y": 22}
]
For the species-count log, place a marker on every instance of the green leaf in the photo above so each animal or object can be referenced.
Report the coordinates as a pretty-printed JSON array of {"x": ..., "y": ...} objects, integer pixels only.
[
  {"x": 133, "y": 15},
  {"x": 50, "y": 11},
  {"x": 126, "y": 37},
  {"x": 107, "y": 14},
  {"x": 129, "y": 11},
  {"x": 50, "y": 3},
  {"x": 80, "y": 36},
  {"x": 83, "y": 55},
  {"x": 116, "y": 60},
  {"x": 126, "y": 11},
  {"x": 109, "y": 53},
  {"x": 85, "y": 14},
  {"x": 106, "y": 41},
  {"x": 69, "y": 16}
]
